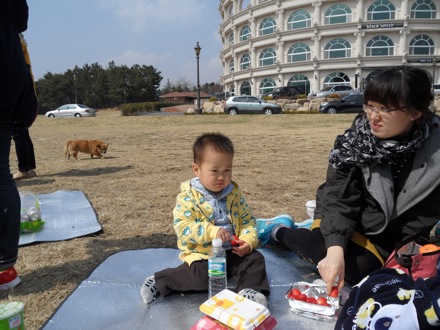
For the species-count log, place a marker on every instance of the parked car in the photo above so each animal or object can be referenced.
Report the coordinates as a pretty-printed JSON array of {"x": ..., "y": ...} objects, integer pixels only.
[
  {"x": 351, "y": 103},
  {"x": 287, "y": 92},
  {"x": 221, "y": 96},
  {"x": 242, "y": 104},
  {"x": 436, "y": 89},
  {"x": 341, "y": 90},
  {"x": 72, "y": 110}
]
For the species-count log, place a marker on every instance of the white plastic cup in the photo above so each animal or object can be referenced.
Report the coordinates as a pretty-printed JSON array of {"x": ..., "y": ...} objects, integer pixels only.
[{"x": 310, "y": 208}]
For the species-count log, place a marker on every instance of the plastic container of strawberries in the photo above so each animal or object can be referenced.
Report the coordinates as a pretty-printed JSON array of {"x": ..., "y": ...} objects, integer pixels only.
[{"x": 311, "y": 300}]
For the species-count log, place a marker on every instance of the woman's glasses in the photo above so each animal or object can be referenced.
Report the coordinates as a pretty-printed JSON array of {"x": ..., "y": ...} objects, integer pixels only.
[{"x": 369, "y": 109}]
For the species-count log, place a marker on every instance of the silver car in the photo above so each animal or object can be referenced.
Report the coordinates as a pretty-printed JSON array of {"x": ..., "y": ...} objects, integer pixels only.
[
  {"x": 341, "y": 90},
  {"x": 242, "y": 104},
  {"x": 72, "y": 110}
]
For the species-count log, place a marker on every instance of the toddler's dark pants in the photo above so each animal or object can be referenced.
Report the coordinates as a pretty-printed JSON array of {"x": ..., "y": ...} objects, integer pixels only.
[{"x": 250, "y": 269}]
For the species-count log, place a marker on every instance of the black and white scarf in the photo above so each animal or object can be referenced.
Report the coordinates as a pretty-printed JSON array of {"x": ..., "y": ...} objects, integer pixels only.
[{"x": 358, "y": 146}]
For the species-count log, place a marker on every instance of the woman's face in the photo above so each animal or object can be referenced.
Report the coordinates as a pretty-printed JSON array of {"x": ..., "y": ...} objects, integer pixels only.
[{"x": 387, "y": 125}]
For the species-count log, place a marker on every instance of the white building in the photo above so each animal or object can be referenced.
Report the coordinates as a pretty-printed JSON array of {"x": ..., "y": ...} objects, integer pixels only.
[{"x": 314, "y": 44}]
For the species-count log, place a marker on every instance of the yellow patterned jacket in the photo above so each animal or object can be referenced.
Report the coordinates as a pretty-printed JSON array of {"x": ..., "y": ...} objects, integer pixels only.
[{"x": 194, "y": 222}]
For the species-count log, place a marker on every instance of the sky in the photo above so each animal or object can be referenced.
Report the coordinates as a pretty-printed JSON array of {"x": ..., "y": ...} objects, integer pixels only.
[{"x": 63, "y": 34}]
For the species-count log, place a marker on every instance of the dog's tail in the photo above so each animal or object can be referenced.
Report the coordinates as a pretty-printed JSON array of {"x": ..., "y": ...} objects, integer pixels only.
[{"x": 66, "y": 148}]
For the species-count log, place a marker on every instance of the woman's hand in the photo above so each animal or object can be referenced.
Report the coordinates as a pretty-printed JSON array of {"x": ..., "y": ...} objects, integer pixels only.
[{"x": 333, "y": 266}]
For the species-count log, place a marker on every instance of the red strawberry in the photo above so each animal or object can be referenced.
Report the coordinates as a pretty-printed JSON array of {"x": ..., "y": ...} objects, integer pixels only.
[
  {"x": 311, "y": 300},
  {"x": 322, "y": 301},
  {"x": 234, "y": 240},
  {"x": 334, "y": 293},
  {"x": 294, "y": 293}
]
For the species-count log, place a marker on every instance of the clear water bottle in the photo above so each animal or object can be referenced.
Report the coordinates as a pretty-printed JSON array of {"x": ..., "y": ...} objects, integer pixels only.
[{"x": 217, "y": 268}]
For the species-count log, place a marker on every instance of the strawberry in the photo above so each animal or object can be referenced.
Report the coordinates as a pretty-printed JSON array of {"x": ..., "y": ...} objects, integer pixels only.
[
  {"x": 334, "y": 293},
  {"x": 234, "y": 240},
  {"x": 322, "y": 301},
  {"x": 294, "y": 293}
]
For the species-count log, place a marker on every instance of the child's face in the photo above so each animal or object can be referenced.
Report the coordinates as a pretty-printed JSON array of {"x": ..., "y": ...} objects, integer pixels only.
[{"x": 215, "y": 170}]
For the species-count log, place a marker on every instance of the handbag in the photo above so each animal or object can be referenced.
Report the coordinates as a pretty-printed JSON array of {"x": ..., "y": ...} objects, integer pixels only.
[{"x": 418, "y": 261}]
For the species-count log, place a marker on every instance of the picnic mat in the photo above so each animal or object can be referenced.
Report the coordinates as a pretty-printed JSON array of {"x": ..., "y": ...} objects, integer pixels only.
[
  {"x": 67, "y": 214},
  {"x": 110, "y": 298}
]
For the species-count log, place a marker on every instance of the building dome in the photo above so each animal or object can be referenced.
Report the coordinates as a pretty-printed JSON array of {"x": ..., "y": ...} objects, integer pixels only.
[{"x": 316, "y": 44}]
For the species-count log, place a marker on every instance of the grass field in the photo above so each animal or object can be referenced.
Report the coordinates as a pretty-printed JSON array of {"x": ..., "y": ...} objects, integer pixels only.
[{"x": 280, "y": 161}]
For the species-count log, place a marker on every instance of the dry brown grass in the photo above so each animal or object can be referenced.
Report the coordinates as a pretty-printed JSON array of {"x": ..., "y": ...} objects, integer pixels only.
[{"x": 280, "y": 160}]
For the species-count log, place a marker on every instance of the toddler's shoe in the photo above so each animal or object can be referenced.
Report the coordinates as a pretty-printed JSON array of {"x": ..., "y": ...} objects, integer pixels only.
[
  {"x": 253, "y": 295},
  {"x": 265, "y": 226},
  {"x": 9, "y": 279},
  {"x": 149, "y": 290}
]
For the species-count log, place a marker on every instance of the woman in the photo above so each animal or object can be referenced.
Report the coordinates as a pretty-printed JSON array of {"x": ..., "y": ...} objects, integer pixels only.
[{"x": 382, "y": 186}]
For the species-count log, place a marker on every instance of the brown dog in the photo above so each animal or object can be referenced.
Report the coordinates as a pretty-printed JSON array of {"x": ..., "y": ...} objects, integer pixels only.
[{"x": 92, "y": 147}]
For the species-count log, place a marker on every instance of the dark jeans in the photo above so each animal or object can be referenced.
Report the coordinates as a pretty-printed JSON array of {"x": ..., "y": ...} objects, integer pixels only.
[
  {"x": 309, "y": 245},
  {"x": 9, "y": 203},
  {"x": 251, "y": 271},
  {"x": 24, "y": 148}
]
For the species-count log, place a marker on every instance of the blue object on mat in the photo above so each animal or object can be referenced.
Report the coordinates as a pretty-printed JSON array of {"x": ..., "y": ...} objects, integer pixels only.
[
  {"x": 67, "y": 214},
  {"x": 110, "y": 298}
]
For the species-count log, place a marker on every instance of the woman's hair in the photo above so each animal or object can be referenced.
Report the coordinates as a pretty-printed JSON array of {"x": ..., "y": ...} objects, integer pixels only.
[
  {"x": 218, "y": 141},
  {"x": 407, "y": 87}
]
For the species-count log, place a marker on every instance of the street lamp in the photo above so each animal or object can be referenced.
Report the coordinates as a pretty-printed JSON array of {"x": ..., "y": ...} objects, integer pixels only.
[
  {"x": 74, "y": 83},
  {"x": 434, "y": 64},
  {"x": 197, "y": 48}
]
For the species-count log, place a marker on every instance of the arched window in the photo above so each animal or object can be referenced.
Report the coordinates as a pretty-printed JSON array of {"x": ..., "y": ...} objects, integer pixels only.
[
  {"x": 299, "y": 19},
  {"x": 231, "y": 66},
  {"x": 380, "y": 46},
  {"x": 299, "y": 51},
  {"x": 336, "y": 78},
  {"x": 337, "y": 48},
  {"x": 244, "y": 4},
  {"x": 245, "y": 88},
  {"x": 267, "y": 86},
  {"x": 245, "y": 62},
  {"x": 423, "y": 9},
  {"x": 268, "y": 26},
  {"x": 268, "y": 57},
  {"x": 381, "y": 10},
  {"x": 231, "y": 39},
  {"x": 338, "y": 13},
  {"x": 231, "y": 11},
  {"x": 421, "y": 45},
  {"x": 245, "y": 33},
  {"x": 301, "y": 81}
]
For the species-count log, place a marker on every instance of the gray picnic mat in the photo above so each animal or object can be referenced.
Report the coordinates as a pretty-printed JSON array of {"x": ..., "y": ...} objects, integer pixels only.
[
  {"x": 67, "y": 214},
  {"x": 110, "y": 299}
]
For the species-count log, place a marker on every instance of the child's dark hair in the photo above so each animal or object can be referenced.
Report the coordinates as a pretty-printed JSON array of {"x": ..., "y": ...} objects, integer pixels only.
[
  {"x": 401, "y": 86},
  {"x": 218, "y": 141}
]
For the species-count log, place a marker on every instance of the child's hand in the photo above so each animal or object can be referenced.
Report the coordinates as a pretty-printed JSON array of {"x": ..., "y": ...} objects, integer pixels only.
[
  {"x": 223, "y": 235},
  {"x": 242, "y": 249}
]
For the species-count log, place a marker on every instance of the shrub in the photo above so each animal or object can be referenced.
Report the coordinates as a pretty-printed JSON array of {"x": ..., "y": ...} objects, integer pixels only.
[
  {"x": 334, "y": 96},
  {"x": 133, "y": 109}
]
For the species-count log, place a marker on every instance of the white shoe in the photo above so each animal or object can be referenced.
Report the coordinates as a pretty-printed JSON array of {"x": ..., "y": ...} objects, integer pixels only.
[
  {"x": 253, "y": 295},
  {"x": 149, "y": 290}
]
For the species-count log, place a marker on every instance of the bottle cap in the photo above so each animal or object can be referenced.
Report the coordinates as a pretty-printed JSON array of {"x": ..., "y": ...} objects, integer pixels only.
[{"x": 217, "y": 242}]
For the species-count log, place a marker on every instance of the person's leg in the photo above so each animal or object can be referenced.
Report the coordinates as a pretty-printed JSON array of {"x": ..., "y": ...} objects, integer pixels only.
[
  {"x": 309, "y": 245},
  {"x": 9, "y": 204},
  {"x": 183, "y": 278},
  {"x": 252, "y": 279},
  {"x": 31, "y": 152},
  {"x": 21, "y": 141},
  {"x": 251, "y": 271}
]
